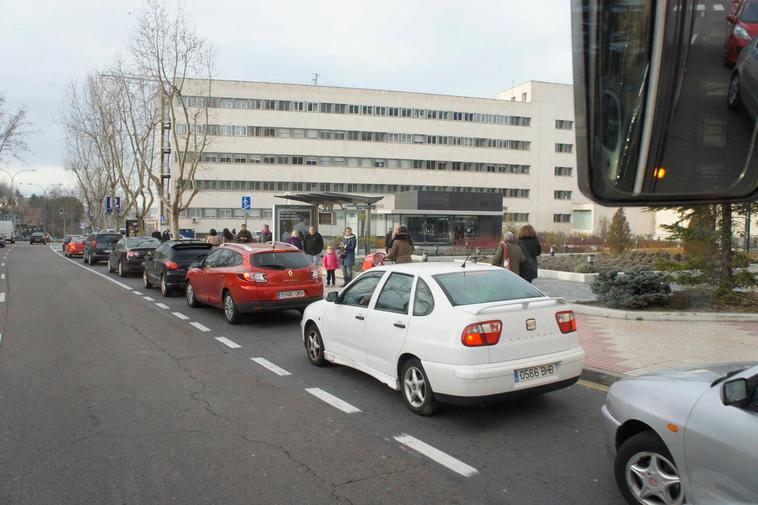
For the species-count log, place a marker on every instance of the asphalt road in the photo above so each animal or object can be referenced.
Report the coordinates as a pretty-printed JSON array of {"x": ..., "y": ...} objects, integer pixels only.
[{"x": 106, "y": 397}]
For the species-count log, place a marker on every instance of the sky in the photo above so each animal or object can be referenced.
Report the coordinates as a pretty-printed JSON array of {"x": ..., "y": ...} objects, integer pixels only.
[{"x": 442, "y": 46}]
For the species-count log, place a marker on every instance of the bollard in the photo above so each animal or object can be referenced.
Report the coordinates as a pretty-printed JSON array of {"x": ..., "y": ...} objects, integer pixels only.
[
  {"x": 424, "y": 256},
  {"x": 552, "y": 251}
]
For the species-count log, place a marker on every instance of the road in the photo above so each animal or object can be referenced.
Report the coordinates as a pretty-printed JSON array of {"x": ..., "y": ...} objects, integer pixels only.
[{"x": 108, "y": 397}]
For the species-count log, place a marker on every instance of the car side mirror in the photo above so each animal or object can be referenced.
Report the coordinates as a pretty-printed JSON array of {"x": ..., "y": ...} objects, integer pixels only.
[
  {"x": 730, "y": 18},
  {"x": 735, "y": 392},
  {"x": 196, "y": 264},
  {"x": 332, "y": 297}
]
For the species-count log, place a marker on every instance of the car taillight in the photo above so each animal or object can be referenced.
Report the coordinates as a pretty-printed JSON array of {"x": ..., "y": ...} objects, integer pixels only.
[
  {"x": 132, "y": 254},
  {"x": 315, "y": 274},
  {"x": 253, "y": 277},
  {"x": 566, "y": 321},
  {"x": 484, "y": 333},
  {"x": 170, "y": 265}
]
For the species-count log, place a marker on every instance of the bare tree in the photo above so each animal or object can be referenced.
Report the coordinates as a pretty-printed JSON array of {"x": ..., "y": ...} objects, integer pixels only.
[
  {"x": 91, "y": 179},
  {"x": 14, "y": 128},
  {"x": 168, "y": 53}
]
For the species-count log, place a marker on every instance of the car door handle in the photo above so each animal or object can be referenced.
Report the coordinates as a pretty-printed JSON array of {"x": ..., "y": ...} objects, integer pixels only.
[
  {"x": 360, "y": 316},
  {"x": 400, "y": 325}
]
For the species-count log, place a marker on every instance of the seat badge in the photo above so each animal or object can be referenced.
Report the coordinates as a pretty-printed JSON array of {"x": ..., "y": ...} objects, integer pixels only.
[{"x": 531, "y": 324}]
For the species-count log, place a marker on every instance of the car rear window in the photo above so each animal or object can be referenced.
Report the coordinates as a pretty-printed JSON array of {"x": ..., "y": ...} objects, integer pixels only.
[
  {"x": 281, "y": 260},
  {"x": 107, "y": 238},
  {"x": 484, "y": 286},
  {"x": 191, "y": 253},
  {"x": 37, "y": 234},
  {"x": 142, "y": 242}
]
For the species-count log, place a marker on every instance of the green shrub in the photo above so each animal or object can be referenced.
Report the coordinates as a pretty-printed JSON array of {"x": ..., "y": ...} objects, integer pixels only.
[{"x": 633, "y": 290}]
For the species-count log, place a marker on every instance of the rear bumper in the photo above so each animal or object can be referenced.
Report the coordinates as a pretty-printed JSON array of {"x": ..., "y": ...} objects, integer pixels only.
[
  {"x": 134, "y": 266},
  {"x": 268, "y": 306},
  {"x": 492, "y": 379}
]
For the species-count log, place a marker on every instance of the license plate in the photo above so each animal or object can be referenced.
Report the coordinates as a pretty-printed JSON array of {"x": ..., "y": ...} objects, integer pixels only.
[
  {"x": 535, "y": 372},
  {"x": 283, "y": 295}
]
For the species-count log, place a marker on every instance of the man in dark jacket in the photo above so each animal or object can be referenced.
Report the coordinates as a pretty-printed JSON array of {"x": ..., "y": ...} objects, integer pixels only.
[
  {"x": 244, "y": 236},
  {"x": 156, "y": 234},
  {"x": 266, "y": 235},
  {"x": 530, "y": 245},
  {"x": 313, "y": 244}
]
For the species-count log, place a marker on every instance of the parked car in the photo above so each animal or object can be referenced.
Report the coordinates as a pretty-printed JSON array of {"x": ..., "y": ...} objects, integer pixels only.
[
  {"x": 168, "y": 264},
  {"x": 686, "y": 436},
  {"x": 66, "y": 240},
  {"x": 2, "y": 241},
  {"x": 98, "y": 246},
  {"x": 37, "y": 238},
  {"x": 74, "y": 247},
  {"x": 128, "y": 256},
  {"x": 742, "y": 26},
  {"x": 743, "y": 86},
  {"x": 248, "y": 278},
  {"x": 446, "y": 332}
]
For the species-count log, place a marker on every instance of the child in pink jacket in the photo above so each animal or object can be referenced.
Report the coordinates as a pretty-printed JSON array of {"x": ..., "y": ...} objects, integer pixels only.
[{"x": 331, "y": 263}]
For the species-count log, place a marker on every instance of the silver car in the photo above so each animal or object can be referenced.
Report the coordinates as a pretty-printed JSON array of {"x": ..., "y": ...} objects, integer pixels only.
[
  {"x": 686, "y": 436},
  {"x": 743, "y": 86}
]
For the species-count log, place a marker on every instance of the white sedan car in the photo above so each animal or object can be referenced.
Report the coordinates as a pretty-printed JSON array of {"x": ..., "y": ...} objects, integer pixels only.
[{"x": 446, "y": 332}]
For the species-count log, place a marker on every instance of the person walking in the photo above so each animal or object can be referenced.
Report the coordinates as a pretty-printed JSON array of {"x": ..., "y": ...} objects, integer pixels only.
[
  {"x": 166, "y": 235},
  {"x": 313, "y": 244},
  {"x": 508, "y": 254},
  {"x": 294, "y": 239},
  {"x": 266, "y": 235},
  {"x": 213, "y": 238},
  {"x": 530, "y": 245},
  {"x": 156, "y": 234},
  {"x": 402, "y": 247},
  {"x": 226, "y": 236},
  {"x": 331, "y": 263},
  {"x": 347, "y": 256},
  {"x": 244, "y": 236}
]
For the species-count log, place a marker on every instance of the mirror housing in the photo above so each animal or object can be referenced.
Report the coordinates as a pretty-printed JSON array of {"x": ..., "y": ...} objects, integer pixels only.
[
  {"x": 332, "y": 297},
  {"x": 731, "y": 18},
  {"x": 196, "y": 264},
  {"x": 735, "y": 392}
]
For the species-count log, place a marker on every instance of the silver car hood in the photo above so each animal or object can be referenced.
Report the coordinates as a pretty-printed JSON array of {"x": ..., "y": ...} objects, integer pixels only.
[{"x": 700, "y": 373}]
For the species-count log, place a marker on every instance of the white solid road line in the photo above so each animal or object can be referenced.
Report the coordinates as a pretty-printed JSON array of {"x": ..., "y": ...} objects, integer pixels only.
[
  {"x": 161, "y": 305},
  {"x": 1, "y": 338},
  {"x": 440, "y": 457},
  {"x": 138, "y": 293},
  {"x": 274, "y": 368},
  {"x": 2, "y": 297},
  {"x": 180, "y": 316},
  {"x": 228, "y": 343},
  {"x": 718, "y": 7},
  {"x": 149, "y": 299},
  {"x": 333, "y": 400},
  {"x": 114, "y": 281},
  {"x": 2, "y": 276},
  {"x": 700, "y": 7},
  {"x": 199, "y": 326}
]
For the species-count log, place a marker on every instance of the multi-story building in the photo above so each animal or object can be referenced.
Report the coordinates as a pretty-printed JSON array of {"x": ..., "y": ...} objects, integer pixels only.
[{"x": 430, "y": 157}]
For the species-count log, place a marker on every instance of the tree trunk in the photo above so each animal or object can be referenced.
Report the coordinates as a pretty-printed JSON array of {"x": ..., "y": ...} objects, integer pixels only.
[
  {"x": 726, "y": 281},
  {"x": 174, "y": 222}
]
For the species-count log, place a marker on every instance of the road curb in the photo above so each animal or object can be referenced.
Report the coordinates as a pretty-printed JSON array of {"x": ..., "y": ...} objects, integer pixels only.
[
  {"x": 600, "y": 376},
  {"x": 641, "y": 315}
]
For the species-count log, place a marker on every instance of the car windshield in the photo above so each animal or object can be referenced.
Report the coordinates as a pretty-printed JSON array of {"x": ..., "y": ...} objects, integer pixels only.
[
  {"x": 750, "y": 14},
  {"x": 37, "y": 234},
  {"x": 189, "y": 254},
  {"x": 281, "y": 260},
  {"x": 142, "y": 242},
  {"x": 484, "y": 286}
]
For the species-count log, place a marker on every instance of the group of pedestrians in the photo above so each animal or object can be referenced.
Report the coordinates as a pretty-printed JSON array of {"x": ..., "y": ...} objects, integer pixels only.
[{"x": 518, "y": 253}]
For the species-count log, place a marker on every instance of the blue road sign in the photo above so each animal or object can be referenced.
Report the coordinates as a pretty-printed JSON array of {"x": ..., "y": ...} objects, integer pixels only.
[
  {"x": 117, "y": 204},
  {"x": 164, "y": 220},
  {"x": 247, "y": 202},
  {"x": 108, "y": 205}
]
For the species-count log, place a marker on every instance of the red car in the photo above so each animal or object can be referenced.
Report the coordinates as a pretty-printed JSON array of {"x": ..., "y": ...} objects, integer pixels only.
[
  {"x": 249, "y": 278},
  {"x": 742, "y": 26},
  {"x": 74, "y": 247}
]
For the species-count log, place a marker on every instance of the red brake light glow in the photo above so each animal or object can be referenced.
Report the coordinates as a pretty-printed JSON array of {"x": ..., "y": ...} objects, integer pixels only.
[
  {"x": 170, "y": 265},
  {"x": 566, "y": 321},
  {"x": 484, "y": 333}
]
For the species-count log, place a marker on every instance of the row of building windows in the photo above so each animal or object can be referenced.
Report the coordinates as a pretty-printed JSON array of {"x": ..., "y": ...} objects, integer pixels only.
[
  {"x": 516, "y": 217},
  {"x": 561, "y": 218},
  {"x": 363, "y": 110},
  {"x": 330, "y": 161},
  {"x": 562, "y": 195},
  {"x": 564, "y": 171},
  {"x": 562, "y": 124},
  {"x": 354, "y": 135},
  {"x": 223, "y": 213},
  {"x": 564, "y": 148},
  {"x": 342, "y": 187}
]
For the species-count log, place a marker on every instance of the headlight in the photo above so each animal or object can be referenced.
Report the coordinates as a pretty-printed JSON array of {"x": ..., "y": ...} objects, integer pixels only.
[{"x": 741, "y": 33}]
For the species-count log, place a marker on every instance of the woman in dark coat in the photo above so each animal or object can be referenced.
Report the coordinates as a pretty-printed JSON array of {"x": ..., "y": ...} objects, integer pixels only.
[
  {"x": 527, "y": 240},
  {"x": 402, "y": 247}
]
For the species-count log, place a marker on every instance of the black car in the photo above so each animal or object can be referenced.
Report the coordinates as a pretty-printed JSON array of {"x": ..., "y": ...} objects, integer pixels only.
[
  {"x": 129, "y": 254},
  {"x": 37, "y": 238},
  {"x": 168, "y": 264},
  {"x": 98, "y": 246}
]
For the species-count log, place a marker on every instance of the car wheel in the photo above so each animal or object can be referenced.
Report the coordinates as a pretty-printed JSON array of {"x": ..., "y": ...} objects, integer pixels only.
[
  {"x": 146, "y": 280},
  {"x": 733, "y": 97},
  {"x": 189, "y": 294},
  {"x": 231, "y": 312},
  {"x": 165, "y": 290},
  {"x": 314, "y": 345},
  {"x": 645, "y": 471},
  {"x": 121, "y": 271},
  {"x": 417, "y": 390}
]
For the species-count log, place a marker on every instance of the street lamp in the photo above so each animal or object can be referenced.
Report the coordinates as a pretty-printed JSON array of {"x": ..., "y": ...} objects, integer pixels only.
[
  {"x": 44, "y": 190},
  {"x": 13, "y": 195}
]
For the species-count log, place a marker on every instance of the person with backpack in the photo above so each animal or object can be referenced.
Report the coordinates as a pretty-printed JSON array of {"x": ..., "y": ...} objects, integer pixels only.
[
  {"x": 508, "y": 254},
  {"x": 530, "y": 245}
]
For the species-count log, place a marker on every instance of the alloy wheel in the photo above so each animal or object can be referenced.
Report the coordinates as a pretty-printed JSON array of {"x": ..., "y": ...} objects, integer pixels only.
[
  {"x": 654, "y": 480},
  {"x": 314, "y": 346},
  {"x": 164, "y": 287},
  {"x": 229, "y": 307},
  {"x": 733, "y": 95},
  {"x": 190, "y": 294},
  {"x": 414, "y": 387}
]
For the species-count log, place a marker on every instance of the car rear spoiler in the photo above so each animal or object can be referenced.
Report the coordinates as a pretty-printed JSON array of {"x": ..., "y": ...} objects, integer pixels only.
[{"x": 524, "y": 304}]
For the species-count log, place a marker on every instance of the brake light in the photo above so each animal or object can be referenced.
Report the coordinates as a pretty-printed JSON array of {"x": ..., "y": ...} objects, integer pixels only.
[
  {"x": 132, "y": 254},
  {"x": 484, "y": 333},
  {"x": 566, "y": 321},
  {"x": 315, "y": 274},
  {"x": 170, "y": 265},
  {"x": 253, "y": 277}
]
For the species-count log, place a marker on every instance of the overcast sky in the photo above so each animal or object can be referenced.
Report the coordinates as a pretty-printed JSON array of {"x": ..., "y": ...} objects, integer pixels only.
[{"x": 442, "y": 46}]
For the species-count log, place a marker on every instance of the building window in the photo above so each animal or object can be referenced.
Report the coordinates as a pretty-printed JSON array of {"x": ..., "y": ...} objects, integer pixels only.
[
  {"x": 564, "y": 148},
  {"x": 523, "y": 97},
  {"x": 516, "y": 217},
  {"x": 562, "y": 195},
  {"x": 562, "y": 124},
  {"x": 563, "y": 171},
  {"x": 561, "y": 218},
  {"x": 582, "y": 220}
]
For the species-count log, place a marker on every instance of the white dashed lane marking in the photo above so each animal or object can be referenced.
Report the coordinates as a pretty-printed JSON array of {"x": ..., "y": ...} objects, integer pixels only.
[
  {"x": 434, "y": 454},
  {"x": 333, "y": 400},
  {"x": 2, "y": 297},
  {"x": 149, "y": 299},
  {"x": 137, "y": 293},
  {"x": 2, "y": 276},
  {"x": 718, "y": 7},
  {"x": 180, "y": 316},
  {"x": 274, "y": 368},
  {"x": 161, "y": 305},
  {"x": 228, "y": 343},
  {"x": 199, "y": 326}
]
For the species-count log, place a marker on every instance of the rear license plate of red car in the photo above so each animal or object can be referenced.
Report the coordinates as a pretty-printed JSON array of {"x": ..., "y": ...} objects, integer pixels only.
[{"x": 283, "y": 295}]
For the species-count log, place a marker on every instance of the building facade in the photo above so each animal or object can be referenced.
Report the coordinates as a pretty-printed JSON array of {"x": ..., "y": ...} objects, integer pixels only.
[{"x": 272, "y": 139}]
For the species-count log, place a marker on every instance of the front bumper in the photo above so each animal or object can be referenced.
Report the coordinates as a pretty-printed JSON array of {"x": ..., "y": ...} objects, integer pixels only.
[
  {"x": 611, "y": 426},
  {"x": 269, "y": 306},
  {"x": 492, "y": 379}
]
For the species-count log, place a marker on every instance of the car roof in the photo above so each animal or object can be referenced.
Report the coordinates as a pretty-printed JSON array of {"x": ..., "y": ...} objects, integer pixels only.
[
  {"x": 436, "y": 267},
  {"x": 257, "y": 247}
]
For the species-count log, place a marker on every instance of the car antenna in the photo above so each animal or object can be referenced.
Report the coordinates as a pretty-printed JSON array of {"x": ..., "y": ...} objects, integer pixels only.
[{"x": 467, "y": 257}]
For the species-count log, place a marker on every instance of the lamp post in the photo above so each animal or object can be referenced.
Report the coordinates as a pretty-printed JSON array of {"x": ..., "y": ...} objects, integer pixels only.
[
  {"x": 44, "y": 192},
  {"x": 13, "y": 195}
]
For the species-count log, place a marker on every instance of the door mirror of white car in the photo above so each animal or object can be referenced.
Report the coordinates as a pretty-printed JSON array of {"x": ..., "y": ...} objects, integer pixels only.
[
  {"x": 659, "y": 118},
  {"x": 332, "y": 297},
  {"x": 735, "y": 392}
]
